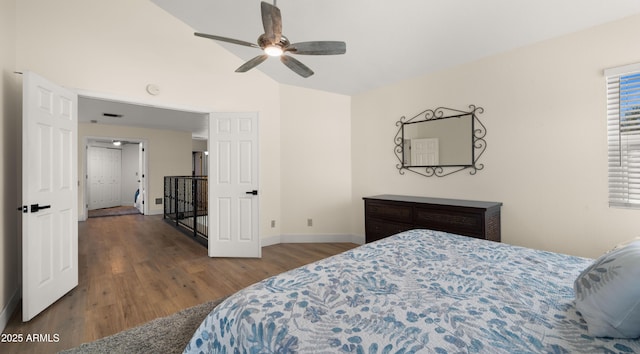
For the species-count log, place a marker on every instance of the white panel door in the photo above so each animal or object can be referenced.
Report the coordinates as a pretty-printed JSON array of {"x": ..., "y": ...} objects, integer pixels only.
[
  {"x": 233, "y": 185},
  {"x": 104, "y": 167},
  {"x": 425, "y": 152},
  {"x": 140, "y": 198},
  {"x": 49, "y": 194}
]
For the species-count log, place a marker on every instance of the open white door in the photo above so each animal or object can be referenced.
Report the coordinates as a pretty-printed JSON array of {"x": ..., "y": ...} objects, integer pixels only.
[
  {"x": 140, "y": 197},
  {"x": 233, "y": 185},
  {"x": 49, "y": 193}
]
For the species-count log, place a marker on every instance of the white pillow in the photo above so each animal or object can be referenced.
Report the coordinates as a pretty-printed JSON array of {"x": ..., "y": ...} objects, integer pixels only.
[{"x": 608, "y": 293}]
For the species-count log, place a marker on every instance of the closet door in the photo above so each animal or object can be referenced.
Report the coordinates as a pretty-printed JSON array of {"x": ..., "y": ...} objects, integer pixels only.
[{"x": 104, "y": 167}]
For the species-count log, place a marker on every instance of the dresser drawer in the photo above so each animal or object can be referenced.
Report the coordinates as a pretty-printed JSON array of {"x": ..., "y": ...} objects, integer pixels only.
[
  {"x": 454, "y": 221},
  {"x": 388, "y": 211},
  {"x": 378, "y": 228}
]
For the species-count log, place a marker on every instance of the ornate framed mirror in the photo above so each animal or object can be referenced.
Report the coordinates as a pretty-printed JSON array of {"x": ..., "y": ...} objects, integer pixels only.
[{"x": 441, "y": 141}]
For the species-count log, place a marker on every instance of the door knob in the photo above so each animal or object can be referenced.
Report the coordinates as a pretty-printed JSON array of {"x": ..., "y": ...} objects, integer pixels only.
[
  {"x": 253, "y": 192},
  {"x": 36, "y": 207}
]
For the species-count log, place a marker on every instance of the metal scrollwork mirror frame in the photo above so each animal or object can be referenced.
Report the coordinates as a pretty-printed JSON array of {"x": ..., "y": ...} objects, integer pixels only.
[{"x": 478, "y": 134}]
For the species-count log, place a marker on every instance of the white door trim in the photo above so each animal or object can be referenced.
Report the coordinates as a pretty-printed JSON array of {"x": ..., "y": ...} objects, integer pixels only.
[{"x": 140, "y": 102}]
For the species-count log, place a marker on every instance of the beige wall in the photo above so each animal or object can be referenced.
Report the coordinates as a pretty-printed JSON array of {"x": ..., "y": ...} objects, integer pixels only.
[
  {"x": 168, "y": 153},
  {"x": 316, "y": 173},
  {"x": 546, "y": 158},
  {"x": 10, "y": 127}
]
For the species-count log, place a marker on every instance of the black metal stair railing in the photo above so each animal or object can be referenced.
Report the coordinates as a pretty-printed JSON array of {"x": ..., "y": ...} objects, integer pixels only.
[{"x": 186, "y": 205}]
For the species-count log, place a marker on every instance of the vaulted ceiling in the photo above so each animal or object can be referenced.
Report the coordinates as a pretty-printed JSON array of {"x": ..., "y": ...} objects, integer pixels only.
[
  {"x": 390, "y": 41},
  {"x": 387, "y": 41}
]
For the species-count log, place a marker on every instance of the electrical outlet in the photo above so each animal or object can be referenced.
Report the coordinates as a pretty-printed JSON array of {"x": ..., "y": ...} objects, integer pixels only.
[
  {"x": 309, "y": 222},
  {"x": 273, "y": 223}
]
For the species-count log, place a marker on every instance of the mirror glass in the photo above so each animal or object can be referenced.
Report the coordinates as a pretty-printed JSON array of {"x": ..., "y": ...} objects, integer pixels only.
[{"x": 438, "y": 142}]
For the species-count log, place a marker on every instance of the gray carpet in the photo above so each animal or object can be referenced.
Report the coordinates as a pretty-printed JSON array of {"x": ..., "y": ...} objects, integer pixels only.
[{"x": 163, "y": 335}]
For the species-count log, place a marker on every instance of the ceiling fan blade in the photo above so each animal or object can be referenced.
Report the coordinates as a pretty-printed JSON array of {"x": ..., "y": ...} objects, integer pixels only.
[
  {"x": 271, "y": 21},
  {"x": 318, "y": 48},
  {"x": 225, "y": 39},
  {"x": 252, "y": 63},
  {"x": 296, "y": 66}
]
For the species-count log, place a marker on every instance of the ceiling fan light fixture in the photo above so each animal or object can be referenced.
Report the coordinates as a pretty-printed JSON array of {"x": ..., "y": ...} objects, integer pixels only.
[
  {"x": 274, "y": 44},
  {"x": 273, "y": 51}
]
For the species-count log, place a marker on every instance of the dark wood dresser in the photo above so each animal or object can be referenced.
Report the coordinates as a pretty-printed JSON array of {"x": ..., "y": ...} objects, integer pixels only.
[{"x": 385, "y": 215}]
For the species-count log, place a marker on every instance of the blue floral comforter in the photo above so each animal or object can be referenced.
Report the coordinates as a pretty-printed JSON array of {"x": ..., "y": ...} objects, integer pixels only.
[{"x": 418, "y": 291}]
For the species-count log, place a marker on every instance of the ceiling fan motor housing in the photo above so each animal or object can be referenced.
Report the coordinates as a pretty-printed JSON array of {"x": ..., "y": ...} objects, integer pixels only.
[{"x": 264, "y": 42}]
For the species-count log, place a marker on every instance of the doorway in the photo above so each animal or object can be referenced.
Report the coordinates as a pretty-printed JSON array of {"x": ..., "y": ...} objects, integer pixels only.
[
  {"x": 235, "y": 151},
  {"x": 116, "y": 182},
  {"x": 107, "y": 111}
]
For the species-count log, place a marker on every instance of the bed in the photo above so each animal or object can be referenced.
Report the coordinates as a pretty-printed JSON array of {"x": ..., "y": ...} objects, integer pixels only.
[{"x": 417, "y": 291}]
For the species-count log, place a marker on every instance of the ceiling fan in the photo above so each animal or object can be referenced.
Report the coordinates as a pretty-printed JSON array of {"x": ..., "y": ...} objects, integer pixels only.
[{"x": 273, "y": 43}]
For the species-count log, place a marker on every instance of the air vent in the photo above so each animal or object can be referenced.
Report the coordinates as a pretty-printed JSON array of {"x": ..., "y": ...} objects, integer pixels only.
[{"x": 112, "y": 115}]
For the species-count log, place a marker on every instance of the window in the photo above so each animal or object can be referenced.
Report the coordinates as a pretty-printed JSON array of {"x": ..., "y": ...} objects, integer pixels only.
[{"x": 623, "y": 122}]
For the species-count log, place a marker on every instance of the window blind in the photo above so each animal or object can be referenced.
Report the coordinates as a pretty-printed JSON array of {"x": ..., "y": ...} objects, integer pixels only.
[{"x": 623, "y": 123}]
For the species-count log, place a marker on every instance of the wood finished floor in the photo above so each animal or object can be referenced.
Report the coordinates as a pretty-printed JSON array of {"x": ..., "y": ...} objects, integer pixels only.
[{"x": 135, "y": 268}]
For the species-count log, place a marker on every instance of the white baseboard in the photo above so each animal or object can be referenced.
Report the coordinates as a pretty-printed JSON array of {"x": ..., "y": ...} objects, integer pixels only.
[
  {"x": 358, "y": 239},
  {"x": 274, "y": 240},
  {"x": 270, "y": 241},
  {"x": 155, "y": 212},
  {"x": 8, "y": 310}
]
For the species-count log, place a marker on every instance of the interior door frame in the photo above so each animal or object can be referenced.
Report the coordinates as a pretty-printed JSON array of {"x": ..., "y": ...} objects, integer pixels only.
[
  {"x": 210, "y": 113},
  {"x": 135, "y": 101},
  {"x": 86, "y": 143}
]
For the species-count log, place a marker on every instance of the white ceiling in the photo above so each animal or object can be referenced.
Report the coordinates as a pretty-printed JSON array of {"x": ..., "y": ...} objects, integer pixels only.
[
  {"x": 92, "y": 110},
  {"x": 389, "y": 41}
]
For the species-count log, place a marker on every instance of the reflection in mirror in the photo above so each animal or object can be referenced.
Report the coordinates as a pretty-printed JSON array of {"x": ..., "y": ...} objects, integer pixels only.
[{"x": 440, "y": 142}]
